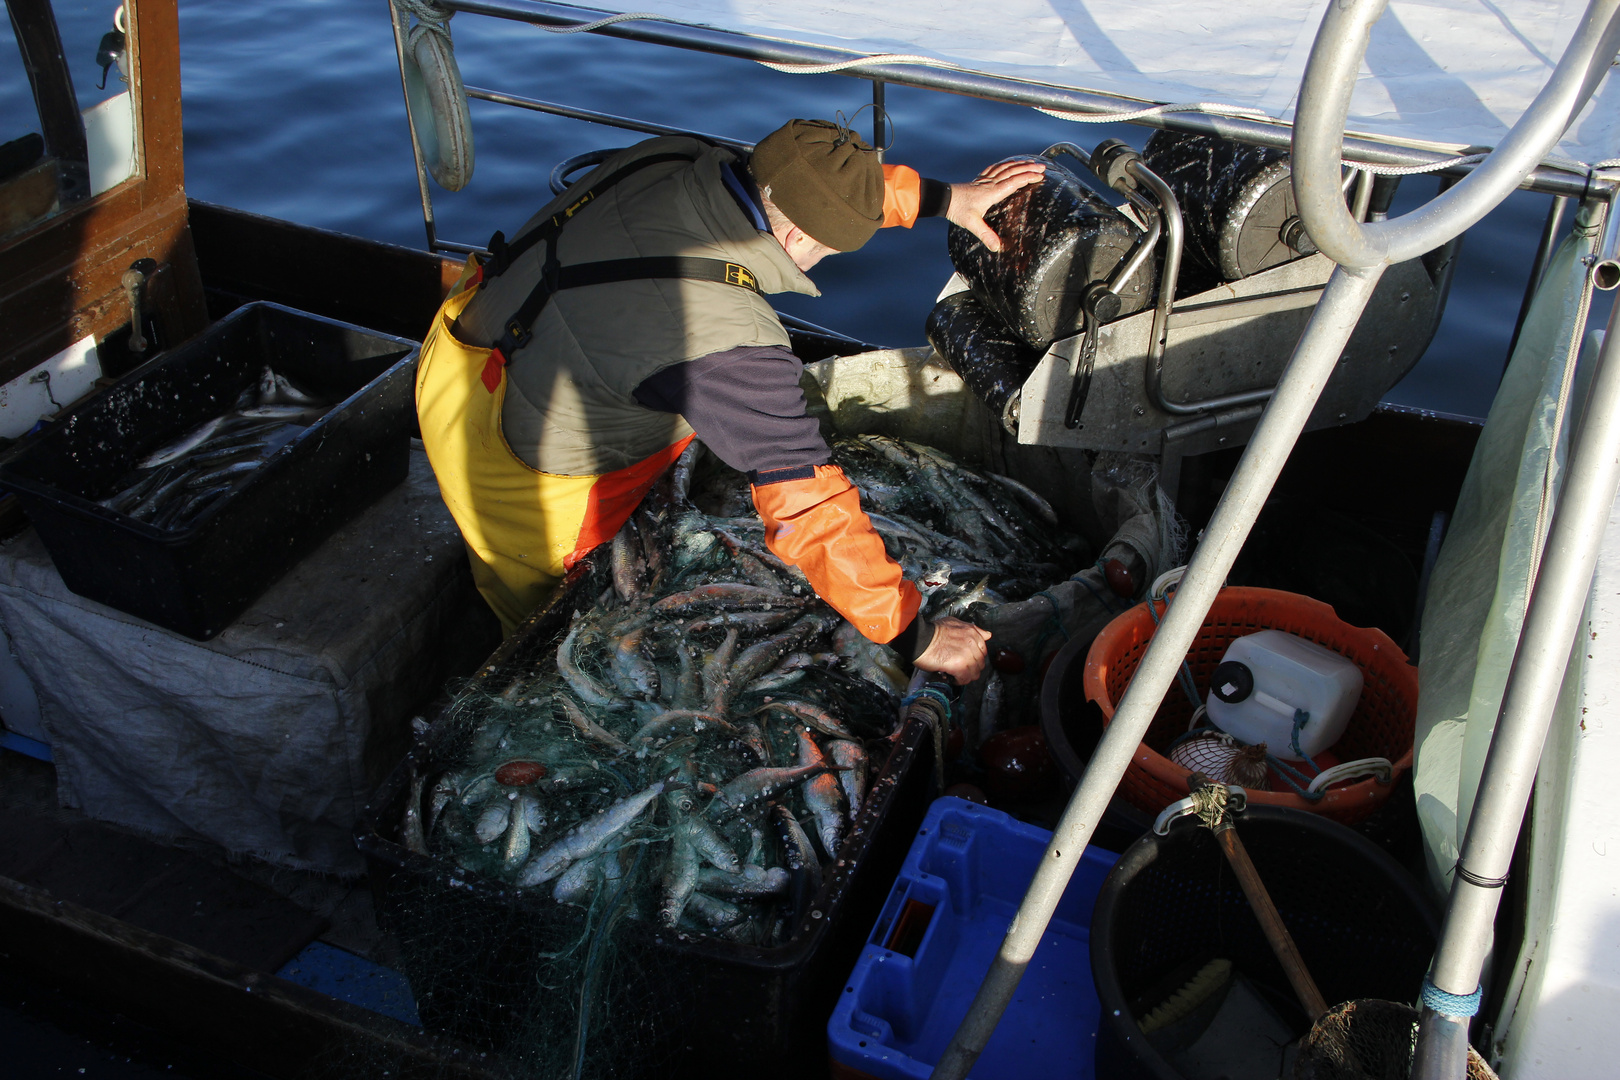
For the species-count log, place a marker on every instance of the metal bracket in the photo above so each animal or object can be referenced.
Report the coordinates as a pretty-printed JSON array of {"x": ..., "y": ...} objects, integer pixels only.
[{"x": 1237, "y": 800}]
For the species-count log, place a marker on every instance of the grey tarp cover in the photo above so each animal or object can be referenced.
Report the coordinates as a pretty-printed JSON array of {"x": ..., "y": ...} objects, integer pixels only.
[{"x": 268, "y": 739}]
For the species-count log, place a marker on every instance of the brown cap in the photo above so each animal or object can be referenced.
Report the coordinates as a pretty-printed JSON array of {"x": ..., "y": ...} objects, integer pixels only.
[{"x": 825, "y": 178}]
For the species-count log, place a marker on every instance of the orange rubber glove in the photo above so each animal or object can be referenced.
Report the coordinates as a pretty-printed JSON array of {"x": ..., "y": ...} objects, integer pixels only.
[{"x": 817, "y": 524}]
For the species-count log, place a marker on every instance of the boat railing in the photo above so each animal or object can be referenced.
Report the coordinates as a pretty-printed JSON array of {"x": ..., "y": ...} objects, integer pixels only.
[
  {"x": 1363, "y": 251},
  {"x": 1364, "y": 154}
]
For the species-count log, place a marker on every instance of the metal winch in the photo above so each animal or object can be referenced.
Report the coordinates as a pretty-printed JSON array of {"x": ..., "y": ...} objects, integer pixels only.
[{"x": 1161, "y": 323}]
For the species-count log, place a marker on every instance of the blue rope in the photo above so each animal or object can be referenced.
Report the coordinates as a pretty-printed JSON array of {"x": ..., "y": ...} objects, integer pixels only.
[
  {"x": 1188, "y": 685},
  {"x": 929, "y": 691},
  {"x": 1301, "y": 718},
  {"x": 1294, "y": 778},
  {"x": 1097, "y": 566},
  {"x": 1095, "y": 595},
  {"x": 1447, "y": 1004}
]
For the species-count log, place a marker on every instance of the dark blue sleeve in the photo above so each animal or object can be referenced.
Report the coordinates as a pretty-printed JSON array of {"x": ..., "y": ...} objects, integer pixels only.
[{"x": 745, "y": 405}]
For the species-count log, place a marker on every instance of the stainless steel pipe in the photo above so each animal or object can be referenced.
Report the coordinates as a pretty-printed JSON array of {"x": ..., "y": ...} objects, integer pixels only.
[
  {"x": 1313, "y": 362},
  {"x": 1363, "y": 251}
]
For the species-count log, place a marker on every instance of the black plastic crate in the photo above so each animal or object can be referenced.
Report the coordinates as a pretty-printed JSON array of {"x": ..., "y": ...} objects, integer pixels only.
[
  {"x": 198, "y": 579},
  {"x": 474, "y": 949}
]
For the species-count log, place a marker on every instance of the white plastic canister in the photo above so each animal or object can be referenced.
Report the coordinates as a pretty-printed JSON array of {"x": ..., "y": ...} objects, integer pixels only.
[{"x": 1291, "y": 694}]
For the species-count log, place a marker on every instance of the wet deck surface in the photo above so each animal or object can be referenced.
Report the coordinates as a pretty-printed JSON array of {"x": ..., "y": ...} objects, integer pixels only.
[{"x": 244, "y": 910}]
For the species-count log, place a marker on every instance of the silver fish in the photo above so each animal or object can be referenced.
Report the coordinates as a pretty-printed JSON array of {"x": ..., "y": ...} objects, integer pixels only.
[
  {"x": 752, "y": 882},
  {"x": 747, "y": 622},
  {"x": 493, "y": 821},
  {"x": 578, "y": 882},
  {"x": 853, "y": 758},
  {"x": 590, "y": 728},
  {"x": 588, "y": 837},
  {"x": 759, "y": 658},
  {"x": 516, "y": 849},
  {"x": 636, "y": 675},
  {"x": 823, "y": 797},
  {"x": 717, "y": 913},
  {"x": 181, "y": 446},
  {"x": 626, "y": 562},
  {"x": 710, "y": 845},
  {"x": 589, "y": 690},
  {"x": 666, "y": 721},
  {"x": 680, "y": 879},
  {"x": 813, "y": 715},
  {"x": 763, "y": 783},
  {"x": 689, "y": 684},
  {"x": 714, "y": 672},
  {"x": 796, "y": 848}
]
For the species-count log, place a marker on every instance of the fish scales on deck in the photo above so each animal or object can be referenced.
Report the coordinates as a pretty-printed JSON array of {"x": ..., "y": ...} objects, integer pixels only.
[{"x": 702, "y": 734}]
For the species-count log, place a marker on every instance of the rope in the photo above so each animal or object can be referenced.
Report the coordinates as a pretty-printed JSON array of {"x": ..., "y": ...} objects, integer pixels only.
[
  {"x": 860, "y": 61},
  {"x": 1301, "y": 718},
  {"x": 1111, "y": 116},
  {"x": 1447, "y": 1004},
  {"x": 1209, "y": 805},
  {"x": 1189, "y": 685},
  {"x": 585, "y": 28},
  {"x": 928, "y": 691},
  {"x": 430, "y": 19},
  {"x": 1095, "y": 595}
]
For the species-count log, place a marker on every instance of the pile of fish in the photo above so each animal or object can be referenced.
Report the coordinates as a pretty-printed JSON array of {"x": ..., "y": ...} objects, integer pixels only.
[
  {"x": 177, "y": 483},
  {"x": 700, "y": 744}
]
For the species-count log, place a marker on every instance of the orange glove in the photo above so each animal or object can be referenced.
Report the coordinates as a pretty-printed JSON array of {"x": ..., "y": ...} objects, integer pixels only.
[
  {"x": 816, "y": 523},
  {"x": 902, "y": 195}
]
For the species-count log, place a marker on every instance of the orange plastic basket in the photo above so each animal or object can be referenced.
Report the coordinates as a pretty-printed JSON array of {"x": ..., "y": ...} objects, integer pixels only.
[{"x": 1381, "y": 726}]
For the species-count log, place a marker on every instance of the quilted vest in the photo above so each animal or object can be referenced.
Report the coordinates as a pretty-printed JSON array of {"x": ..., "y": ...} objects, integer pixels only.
[{"x": 568, "y": 407}]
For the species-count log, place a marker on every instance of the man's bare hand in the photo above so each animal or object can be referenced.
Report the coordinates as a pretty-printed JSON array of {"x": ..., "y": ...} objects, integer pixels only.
[
  {"x": 958, "y": 650},
  {"x": 970, "y": 202}
]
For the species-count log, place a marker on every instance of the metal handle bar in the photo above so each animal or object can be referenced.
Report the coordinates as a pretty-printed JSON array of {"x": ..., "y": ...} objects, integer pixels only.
[
  {"x": 1237, "y": 801},
  {"x": 1324, "y": 105}
]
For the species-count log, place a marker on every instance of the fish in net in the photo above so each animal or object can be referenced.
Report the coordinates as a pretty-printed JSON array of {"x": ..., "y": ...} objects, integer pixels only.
[{"x": 688, "y": 761}]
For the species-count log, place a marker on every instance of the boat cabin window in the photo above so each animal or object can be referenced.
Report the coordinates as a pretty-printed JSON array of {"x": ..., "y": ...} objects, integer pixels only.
[{"x": 67, "y": 119}]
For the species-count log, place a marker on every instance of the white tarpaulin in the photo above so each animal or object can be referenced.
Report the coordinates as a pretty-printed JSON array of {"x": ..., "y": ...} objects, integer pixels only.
[
  {"x": 268, "y": 739},
  {"x": 1445, "y": 73}
]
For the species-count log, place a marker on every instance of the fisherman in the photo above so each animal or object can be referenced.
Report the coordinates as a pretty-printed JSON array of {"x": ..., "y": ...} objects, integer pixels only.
[{"x": 564, "y": 375}]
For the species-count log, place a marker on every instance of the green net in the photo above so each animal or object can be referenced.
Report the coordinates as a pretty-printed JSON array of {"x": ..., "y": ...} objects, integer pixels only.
[{"x": 680, "y": 768}]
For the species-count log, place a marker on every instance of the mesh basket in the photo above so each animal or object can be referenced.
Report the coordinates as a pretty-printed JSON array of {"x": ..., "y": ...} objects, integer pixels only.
[
  {"x": 1381, "y": 726},
  {"x": 1171, "y": 903}
]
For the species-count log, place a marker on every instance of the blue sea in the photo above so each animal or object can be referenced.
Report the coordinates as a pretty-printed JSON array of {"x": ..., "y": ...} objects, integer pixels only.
[{"x": 293, "y": 108}]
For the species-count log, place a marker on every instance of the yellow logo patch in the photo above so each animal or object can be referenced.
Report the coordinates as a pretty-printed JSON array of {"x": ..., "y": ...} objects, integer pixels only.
[{"x": 740, "y": 275}]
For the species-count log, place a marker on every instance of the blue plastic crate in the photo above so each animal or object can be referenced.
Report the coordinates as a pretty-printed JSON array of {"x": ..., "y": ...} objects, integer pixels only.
[{"x": 940, "y": 928}]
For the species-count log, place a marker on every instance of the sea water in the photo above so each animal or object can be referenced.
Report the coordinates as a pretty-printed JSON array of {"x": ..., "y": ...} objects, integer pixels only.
[{"x": 293, "y": 108}]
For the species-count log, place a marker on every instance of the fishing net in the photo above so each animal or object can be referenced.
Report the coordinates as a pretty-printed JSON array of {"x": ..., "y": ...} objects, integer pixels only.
[
  {"x": 603, "y": 823},
  {"x": 1370, "y": 1039}
]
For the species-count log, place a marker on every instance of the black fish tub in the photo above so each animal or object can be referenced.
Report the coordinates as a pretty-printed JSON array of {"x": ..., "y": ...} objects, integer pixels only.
[{"x": 565, "y": 973}]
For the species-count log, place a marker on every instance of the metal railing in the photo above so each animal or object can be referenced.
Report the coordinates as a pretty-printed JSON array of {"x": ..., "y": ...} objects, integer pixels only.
[
  {"x": 1363, "y": 251},
  {"x": 1368, "y": 151}
]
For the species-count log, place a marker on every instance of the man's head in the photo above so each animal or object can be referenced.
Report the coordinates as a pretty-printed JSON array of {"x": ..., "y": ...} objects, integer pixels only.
[{"x": 825, "y": 185}]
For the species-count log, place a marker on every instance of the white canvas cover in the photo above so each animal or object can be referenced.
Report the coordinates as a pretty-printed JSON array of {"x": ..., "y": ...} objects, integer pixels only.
[
  {"x": 1442, "y": 73},
  {"x": 269, "y": 739}
]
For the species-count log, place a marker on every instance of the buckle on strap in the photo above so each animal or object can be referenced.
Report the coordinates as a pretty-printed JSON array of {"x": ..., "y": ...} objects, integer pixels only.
[{"x": 517, "y": 335}]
